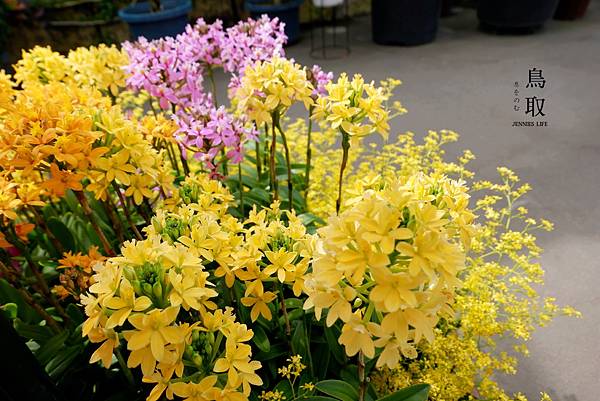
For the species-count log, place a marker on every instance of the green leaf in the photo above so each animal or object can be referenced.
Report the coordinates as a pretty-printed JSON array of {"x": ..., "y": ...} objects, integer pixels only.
[
  {"x": 308, "y": 218},
  {"x": 62, "y": 233},
  {"x": 284, "y": 387},
  {"x": 349, "y": 374},
  {"x": 25, "y": 312},
  {"x": 75, "y": 314},
  {"x": 318, "y": 398},
  {"x": 62, "y": 360},
  {"x": 417, "y": 392},
  {"x": 260, "y": 339},
  {"x": 320, "y": 358},
  {"x": 338, "y": 389},
  {"x": 276, "y": 351},
  {"x": 52, "y": 347},
  {"x": 300, "y": 342},
  {"x": 293, "y": 303},
  {"x": 331, "y": 335},
  {"x": 10, "y": 310},
  {"x": 40, "y": 334},
  {"x": 72, "y": 201}
]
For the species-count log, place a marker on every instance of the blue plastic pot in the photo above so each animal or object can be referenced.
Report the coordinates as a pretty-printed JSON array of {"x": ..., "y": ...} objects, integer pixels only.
[
  {"x": 288, "y": 12},
  {"x": 169, "y": 21}
]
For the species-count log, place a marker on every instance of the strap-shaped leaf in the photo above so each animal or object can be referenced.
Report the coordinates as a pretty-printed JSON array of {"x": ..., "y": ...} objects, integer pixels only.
[
  {"x": 417, "y": 392},
  {"x": 338, "y": 389}
]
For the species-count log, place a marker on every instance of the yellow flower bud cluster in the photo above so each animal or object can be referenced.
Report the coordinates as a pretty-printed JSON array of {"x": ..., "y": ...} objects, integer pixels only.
[
  {"x": 348, "y": 106},
  {"x": 387, "y": 266},
  {"x": 272, "y": 86}
]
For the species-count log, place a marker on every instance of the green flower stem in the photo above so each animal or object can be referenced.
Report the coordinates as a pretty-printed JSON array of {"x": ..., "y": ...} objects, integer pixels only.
[
  {"x": 172, "y": 157},
  {"x": 308, "y": 152},
  {"x": 266, "y": 149},
  {"x": 288, "y": 327},
  {"x": 346, "y": 151},
  {"x": 90, "y": 216},
  {"x": 273, "y": 172},
  {"x": 224, "y": 163},
  {"x": 241, "y": 188},
  {"x": 215, "y": 348},
  {"x": 184, "y": 163},
  {"x": 124, "y": 367},
  {"x": 258, "y": 157},
  {"x": 126, "y": 210},
  {"x": 362, "y": 386},
  {"x": 109, "y": 208},
  {"x": 289, "y": 167}
]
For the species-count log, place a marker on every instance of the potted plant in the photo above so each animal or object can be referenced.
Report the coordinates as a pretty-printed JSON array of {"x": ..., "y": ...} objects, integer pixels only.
[
  {"x": 156, "y": 18},
  {"x": 405, "y": 22},
  {"x": 571, "y": 9},
  {"x": 515, "y": 16},
  {"x": 288, "y": 12}
]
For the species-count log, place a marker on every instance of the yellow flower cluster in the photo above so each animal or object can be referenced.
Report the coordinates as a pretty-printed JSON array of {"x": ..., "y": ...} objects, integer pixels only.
[
  {"x": 348, "y": 104},
  {"x": 272, "y": 86},
  {"x": 49, "y": 129},
  {"x": 42, "y": 65},
  {"x": 97, "y": 67},
  {"x": 54, "y": 135},
  {"x": 276, "y": 252},
  {"x": 387, "y": 266},
  {"x": 457, "y": 364},
  {"x": 159, "y": 296},
  {"x": 131, "y": 160},
  {"x": 291, "y": 372}
]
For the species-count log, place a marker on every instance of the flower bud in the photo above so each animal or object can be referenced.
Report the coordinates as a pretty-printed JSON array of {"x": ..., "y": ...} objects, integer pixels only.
[{"x": 157, "y": 290}]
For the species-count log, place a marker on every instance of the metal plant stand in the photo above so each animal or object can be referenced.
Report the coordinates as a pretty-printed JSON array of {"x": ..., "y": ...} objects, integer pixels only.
[{"x": 334, "y": 41}]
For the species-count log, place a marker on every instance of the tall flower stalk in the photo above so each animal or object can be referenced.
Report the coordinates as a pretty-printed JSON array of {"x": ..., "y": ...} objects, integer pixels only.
[
  {"x": 266, "y": 92},
  {"x": 356, "y": 109}
]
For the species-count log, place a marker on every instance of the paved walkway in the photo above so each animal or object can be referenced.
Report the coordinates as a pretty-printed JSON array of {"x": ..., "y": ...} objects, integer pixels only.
[{"x": 464, "y": 81}]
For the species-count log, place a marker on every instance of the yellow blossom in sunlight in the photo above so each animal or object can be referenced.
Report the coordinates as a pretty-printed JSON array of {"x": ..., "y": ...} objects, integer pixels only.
[
  {"x": 391, "y": 250},
  {"x": 349, "y": 104},
  {"x": 154, "y": 331},
  {"x": 125, "y": 304},
  {"x": 272, "y": 85},
  {"x": 100, "y": 67},
  {"x": 259, "y": 301},
  {"x": 42, "y": 65},
  {"x": 205, "y": 390}
]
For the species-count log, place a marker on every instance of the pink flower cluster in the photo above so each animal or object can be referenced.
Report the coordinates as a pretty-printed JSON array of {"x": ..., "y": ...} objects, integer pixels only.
[
  {"x": 173, "y": 70},
  {"x": 210, "y": 131},
  {"x": 319, "y": 79}
]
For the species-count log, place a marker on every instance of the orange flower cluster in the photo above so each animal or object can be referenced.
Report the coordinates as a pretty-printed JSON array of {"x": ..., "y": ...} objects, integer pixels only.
[
  {"x": 48, "y": 140},
  {"x": 76, "y": 273}
]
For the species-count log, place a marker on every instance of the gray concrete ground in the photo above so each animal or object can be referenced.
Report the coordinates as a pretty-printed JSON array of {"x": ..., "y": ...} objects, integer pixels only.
[{"x": 464, "y": 81}]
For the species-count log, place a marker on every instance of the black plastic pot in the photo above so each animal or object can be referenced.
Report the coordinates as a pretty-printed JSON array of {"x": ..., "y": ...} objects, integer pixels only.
[
  {"x": 571, "y": 9},
  {"x": 447, "y": 8},
  {"x": 515, "y": 15},
  {"x": 405, "y": 22},
  {"x": 169, "y": 21}
]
